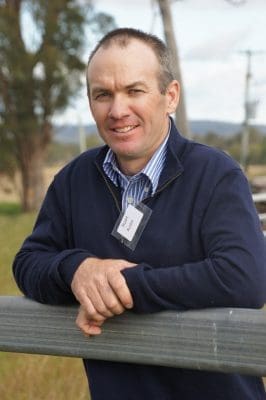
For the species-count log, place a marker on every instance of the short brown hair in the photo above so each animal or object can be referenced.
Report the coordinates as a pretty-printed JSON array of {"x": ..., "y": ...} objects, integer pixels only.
[{"x": 122, "y": 37}]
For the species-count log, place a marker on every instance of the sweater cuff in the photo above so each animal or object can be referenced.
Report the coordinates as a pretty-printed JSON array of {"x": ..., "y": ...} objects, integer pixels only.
[
  {"x": 70, "y": 264},
  {"x": 145, "y": 301}
]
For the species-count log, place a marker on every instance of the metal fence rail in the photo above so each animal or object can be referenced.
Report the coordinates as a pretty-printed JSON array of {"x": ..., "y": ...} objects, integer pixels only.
[
  {"x": 226, "y": 340},
  {"x": 260, "y": 199}
]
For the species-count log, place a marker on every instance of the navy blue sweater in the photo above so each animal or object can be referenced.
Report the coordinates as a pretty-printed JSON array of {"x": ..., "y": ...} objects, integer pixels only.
[{"x": 202, "y": 247}]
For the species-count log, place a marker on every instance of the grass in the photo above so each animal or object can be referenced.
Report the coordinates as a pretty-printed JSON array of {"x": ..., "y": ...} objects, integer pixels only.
[
  {"x": 10, "y": 209},
  {"x": 24, "y": 376}
]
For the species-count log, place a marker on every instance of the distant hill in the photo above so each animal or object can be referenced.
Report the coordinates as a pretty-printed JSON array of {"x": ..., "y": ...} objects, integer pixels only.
[
  {"x": 70, "y": 133},
  {"x": 201, "y": 127}
]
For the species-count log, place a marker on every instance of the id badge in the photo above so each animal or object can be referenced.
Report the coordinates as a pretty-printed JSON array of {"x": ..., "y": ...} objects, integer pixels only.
[{"x": 131, "y": 223}]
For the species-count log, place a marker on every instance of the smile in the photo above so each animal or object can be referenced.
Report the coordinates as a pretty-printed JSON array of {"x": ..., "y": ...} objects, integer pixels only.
[{"x": 125, "y": 129}]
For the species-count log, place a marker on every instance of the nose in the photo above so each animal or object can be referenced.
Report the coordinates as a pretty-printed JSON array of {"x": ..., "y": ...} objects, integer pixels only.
[{"x": 118, "y": 108}]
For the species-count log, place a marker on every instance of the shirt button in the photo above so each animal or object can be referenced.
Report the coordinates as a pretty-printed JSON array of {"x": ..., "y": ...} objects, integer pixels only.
[
  {"x": 146, "y": 189},
  {"x": 130, "y": 200}
]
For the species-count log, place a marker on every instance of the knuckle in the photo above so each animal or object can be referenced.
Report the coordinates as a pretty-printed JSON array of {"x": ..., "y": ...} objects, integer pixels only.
[
  {"x": 113, "y": 304},
  {"x": 100, "y": 308},
  {"x": 117, "y": 282},
  {"x": 96, "y": 316},
  {"x": 80, "y": 294},
  {"x": 116, "y": 307},
  {"x": 93, "y": 314},
  {"x": 103, "y": 311}
]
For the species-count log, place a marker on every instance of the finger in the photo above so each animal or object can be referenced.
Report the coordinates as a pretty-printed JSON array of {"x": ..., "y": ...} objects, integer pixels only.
[
  {"x": 94, "y": 330},
  {"x": 98, "y": 298},
  {"x": 87, "y": 326},
  {"x": 96, "y": 306},
  {"x": 111, "y": 301},
  {"x": 119, "y": 286},
  {"x": 91, "y": 312}
]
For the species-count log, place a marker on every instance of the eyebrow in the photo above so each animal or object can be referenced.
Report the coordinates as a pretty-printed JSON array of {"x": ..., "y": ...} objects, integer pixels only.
[
  {"x": 137, "y": 83},
  {"x": 99, "y": 89}
]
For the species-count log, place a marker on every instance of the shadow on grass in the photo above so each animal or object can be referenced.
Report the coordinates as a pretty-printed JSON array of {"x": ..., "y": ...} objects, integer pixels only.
[{"x": 10, "y": 209}]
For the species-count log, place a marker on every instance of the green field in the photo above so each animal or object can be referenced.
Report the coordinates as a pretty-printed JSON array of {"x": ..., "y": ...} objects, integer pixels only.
[{"x": 23, "y": 376}]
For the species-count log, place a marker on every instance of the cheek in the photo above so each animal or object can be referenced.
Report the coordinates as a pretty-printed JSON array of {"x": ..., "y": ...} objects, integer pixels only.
[
  {"x": 145, "y": 110},
  {"x": 99, "y": 113},
  {"x": 156, "y": 108}
]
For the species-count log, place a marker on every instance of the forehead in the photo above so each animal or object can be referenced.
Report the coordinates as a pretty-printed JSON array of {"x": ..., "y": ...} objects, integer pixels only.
[{"x": 136, "y": 59}]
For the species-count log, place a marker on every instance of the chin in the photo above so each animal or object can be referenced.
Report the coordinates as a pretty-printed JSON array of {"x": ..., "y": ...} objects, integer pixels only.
[
  {"x": 125, "y": 150},
  {"x": 126, "y": 155}
]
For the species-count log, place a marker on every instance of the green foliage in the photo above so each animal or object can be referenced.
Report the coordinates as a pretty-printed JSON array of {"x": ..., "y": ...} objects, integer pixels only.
[
  {"x": 23, "y": 376},
  {"x": 59, "y": 152},
  {"x": 34, "y": 84},
  {"x": 14, "y": 228},
  {"x": 232, "y": 145},
  {"x": 7, "y": 157},
  {"x": 39, "y": 77},
  {"x": 10, "y": 209}
]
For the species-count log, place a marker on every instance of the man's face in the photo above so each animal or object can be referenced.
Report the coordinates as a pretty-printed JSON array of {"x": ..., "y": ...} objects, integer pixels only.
[{"x": 130, "y": 112}]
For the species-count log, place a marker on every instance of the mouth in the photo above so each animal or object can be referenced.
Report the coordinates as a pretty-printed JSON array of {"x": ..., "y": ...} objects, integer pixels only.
[{"x": 124, "y": 129}]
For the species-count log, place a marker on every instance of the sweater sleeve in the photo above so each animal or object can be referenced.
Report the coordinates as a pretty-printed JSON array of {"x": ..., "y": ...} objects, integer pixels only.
[
  {"x": 232, "y": 273},
  {"x": 45, "y": 265}
]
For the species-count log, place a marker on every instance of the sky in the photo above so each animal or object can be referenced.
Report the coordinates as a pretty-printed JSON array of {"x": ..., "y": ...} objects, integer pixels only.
[{"x": 212, "y": 38}]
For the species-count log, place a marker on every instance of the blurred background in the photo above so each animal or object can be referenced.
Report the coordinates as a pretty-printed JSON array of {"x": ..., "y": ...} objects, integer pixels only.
[{"x": 219, "y": 55}]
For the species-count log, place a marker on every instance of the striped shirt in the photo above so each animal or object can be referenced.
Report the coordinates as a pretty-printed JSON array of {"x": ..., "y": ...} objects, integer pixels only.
[{"x": 140, "y": 186}]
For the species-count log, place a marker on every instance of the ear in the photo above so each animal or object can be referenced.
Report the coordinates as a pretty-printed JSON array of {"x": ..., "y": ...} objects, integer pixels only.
[{"x": 172, "y": 95}]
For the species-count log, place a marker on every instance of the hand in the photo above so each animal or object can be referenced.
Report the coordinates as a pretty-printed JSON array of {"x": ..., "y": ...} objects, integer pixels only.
[
  {"x": 101, "y": 289},
  {"x": 88, "y": 327}
]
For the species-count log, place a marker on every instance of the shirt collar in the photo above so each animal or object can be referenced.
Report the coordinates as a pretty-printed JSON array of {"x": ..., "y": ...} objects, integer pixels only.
[{"x": 152, "y": 170}]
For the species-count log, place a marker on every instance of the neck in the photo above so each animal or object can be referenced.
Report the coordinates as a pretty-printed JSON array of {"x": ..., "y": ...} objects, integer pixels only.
[{"x": 131, "y": 167}]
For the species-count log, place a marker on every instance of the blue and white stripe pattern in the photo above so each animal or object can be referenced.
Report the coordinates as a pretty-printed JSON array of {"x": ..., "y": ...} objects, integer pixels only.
[{"x": 137, "y": 187}]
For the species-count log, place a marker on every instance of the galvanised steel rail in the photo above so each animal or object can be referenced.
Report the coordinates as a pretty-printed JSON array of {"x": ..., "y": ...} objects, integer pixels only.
[
  {"x": 260, "y": 198},
  {"x": 225, "y": 340}
]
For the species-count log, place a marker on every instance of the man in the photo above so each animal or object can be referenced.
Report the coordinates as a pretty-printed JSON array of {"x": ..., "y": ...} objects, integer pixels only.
[{"x": 149, "y": 222}]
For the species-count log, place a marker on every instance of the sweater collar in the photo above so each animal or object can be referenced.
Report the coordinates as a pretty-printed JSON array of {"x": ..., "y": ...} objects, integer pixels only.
[
  {"x": 173, "y": 164},
  {"x": 175, "y": 150}
]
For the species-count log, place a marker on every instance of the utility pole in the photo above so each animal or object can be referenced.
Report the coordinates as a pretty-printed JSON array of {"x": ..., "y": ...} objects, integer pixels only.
[
  {"x": 245, "y": 131},
  {"x": 250, "y": 110},
  {"x": 168, "y": 25},
  {"x": 82, "y": 137}
]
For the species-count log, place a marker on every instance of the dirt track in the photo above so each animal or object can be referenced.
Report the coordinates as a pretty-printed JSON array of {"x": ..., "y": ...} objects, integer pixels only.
[{"x": 9, "y": 191}]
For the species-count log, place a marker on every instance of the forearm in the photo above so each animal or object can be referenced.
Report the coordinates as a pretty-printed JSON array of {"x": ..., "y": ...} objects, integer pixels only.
[
  {"x": 45, "y": 265},
  {"x": 45, "y": 276},
  {"x": 207, "y": 283}
]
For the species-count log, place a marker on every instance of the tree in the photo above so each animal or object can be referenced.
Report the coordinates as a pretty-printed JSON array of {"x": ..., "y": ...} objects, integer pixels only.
[
  {"x": 165, "y": 10},
  {"x": 181, "y": 114},
  {"x": 38, "y": 80}
]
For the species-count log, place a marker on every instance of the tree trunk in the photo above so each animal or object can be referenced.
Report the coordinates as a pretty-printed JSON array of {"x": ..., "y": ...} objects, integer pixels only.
[
  {"x": 181, "y": 116},
  {"x": 32, "y": 183},
  {"x": 32, "y": 178},
  {"x": 31, "y": 157}
]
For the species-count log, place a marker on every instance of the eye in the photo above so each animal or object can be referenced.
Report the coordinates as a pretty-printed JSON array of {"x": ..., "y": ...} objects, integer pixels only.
[
  {"x": 135, "y": 91},
  {"x": 102, "y": 96}
]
